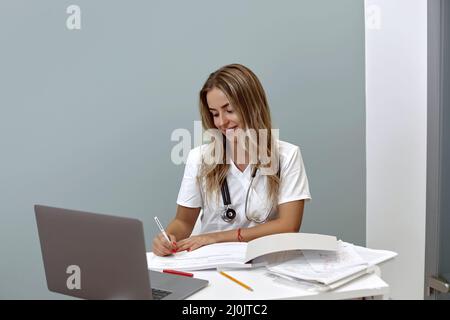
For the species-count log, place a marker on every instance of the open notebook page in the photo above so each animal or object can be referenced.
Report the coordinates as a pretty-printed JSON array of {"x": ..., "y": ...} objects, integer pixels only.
[{"x": 227, "y": 254}]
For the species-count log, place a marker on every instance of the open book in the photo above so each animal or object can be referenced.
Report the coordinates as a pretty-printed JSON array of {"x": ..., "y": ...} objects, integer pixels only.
[{"x": 241, "y": 254}]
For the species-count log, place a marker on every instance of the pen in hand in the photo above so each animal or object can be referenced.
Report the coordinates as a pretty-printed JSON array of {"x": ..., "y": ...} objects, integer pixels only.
[{"x": 162, "y": 230}]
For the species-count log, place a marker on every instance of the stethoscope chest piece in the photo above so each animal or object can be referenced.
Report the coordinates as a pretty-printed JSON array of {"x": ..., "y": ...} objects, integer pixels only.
[{"x": 228, "y": 214}]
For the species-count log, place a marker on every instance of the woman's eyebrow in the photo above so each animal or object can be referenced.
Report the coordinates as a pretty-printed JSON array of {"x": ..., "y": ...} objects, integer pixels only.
[{"x": 225, "y": 105}]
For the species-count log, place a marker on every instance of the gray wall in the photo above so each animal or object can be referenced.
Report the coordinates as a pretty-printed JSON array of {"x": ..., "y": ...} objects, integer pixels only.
[{"x": 86, "y": 115}]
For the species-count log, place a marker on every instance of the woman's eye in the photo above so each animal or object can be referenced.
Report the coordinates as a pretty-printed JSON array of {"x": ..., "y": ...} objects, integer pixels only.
[
  {"x": 230, "y": 111},
  {"x": 214, "y": 115}
]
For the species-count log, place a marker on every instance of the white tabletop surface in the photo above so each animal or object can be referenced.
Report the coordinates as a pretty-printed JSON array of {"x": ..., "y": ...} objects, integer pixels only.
[{"x": 266, "y": 288}]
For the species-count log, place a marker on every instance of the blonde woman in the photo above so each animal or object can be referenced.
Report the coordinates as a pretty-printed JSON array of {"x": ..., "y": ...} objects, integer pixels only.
[{"x": 245, "y": 188}]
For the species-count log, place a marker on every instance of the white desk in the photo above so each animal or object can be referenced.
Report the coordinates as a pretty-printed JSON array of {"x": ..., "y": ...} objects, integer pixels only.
[{"x": 265, "y": 288}]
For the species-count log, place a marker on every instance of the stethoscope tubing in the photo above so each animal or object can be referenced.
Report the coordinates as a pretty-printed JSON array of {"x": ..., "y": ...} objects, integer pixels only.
[{"x": 227, "y": 201}]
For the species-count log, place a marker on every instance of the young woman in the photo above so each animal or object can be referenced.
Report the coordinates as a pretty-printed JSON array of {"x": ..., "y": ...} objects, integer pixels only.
[{"x": 241, "y": 197}]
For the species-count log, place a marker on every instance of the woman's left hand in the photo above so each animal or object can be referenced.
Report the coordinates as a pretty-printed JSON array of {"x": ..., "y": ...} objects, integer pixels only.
[{"x": 194, "y": 242}]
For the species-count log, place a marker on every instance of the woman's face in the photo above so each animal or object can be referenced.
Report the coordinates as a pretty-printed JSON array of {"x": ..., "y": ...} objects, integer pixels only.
[{"x": 223, "y": 113}]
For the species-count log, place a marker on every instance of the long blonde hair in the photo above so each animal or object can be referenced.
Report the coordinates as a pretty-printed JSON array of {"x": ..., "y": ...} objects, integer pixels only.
[{"x": 246, "y": 94}]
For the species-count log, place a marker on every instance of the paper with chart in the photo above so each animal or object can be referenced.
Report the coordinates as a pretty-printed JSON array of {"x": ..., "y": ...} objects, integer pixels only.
[
  {"x": 299, "y": 267},
  {"x": 374, "y": 256},
  {"x": 241, "y": 254},
  {"x": 325, "y": 261},
  {"x": 329, "y": 269}
]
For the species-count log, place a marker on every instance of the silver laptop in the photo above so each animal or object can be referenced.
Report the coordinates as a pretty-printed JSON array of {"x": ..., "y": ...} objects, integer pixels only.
[{"x": 96, "y": 256}]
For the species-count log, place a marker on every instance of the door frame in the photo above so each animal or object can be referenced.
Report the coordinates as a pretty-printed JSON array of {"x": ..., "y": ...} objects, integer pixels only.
[{"x": 436, "y": 36}]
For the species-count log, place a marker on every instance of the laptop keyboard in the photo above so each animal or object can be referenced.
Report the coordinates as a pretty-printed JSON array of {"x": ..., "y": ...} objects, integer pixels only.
[{"x": 159, "y": 294}]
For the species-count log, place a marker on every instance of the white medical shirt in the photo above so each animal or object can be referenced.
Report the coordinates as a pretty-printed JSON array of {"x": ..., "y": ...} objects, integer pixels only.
[{"x": 293, "y": 186}]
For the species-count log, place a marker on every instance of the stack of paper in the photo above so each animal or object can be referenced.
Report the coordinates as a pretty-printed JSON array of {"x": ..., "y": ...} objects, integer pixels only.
[{"x": 325, "y": 270}]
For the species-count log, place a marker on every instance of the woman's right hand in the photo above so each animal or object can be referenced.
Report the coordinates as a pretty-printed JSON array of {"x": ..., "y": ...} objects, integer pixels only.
[{"x": 161, "y": 247}]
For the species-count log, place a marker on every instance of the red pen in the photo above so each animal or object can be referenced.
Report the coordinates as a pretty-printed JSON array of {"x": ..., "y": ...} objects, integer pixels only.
[{"x": 180, "y": 273}]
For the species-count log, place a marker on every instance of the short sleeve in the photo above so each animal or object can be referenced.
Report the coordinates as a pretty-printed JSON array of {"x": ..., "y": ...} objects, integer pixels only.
[
  {"x": 190, "y": 193},
  {"x": 293, "y": 180}
]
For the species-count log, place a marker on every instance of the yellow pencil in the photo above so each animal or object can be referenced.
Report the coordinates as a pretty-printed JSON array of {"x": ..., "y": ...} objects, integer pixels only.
[{"x": 235, "y": 280}]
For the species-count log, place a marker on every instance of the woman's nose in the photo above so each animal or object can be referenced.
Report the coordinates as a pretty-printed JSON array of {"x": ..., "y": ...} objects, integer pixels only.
[{"x": 223, "y": 120}]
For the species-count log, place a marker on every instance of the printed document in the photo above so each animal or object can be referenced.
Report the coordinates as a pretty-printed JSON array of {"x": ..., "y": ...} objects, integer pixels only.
[{"x": 328, "y": 270}]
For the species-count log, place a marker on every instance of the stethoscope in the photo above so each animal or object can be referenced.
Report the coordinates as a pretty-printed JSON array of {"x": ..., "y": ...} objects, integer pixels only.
[{"x": 229, "y": 214}]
